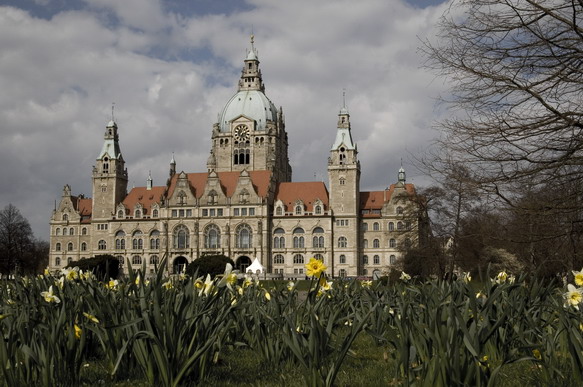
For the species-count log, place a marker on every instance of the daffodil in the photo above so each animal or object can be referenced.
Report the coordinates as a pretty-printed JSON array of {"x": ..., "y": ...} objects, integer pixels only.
[
  {"x": 404, "y": 277},
  {"x": 315, "y": 267},
  {"x": 480, "y": 295},
  {"x": 501, "y": 277},
  {"x": 578, "y": 277},
  {"x": 574, "y": 296},
  {"x": 168, "y": 285},
  {"x": 325, "y": 285},
  {"x": 138, "y": 280},
  {"x": 267, "y": 295},
  {"x": 467, "y": 278},
  {"x": 207, "y": 286},
  {"x": 91, "y": 317},
  {"x": 78, "y": 331},
  {"x": 248, "y": 281},
  {"x": 70, "y": 274},
  {"x": 112, "y": 284},
  {"x": 47, "y": 272},
  {"x": 290, "y": 286},
  {"x": 49, "y": 296},
  {"x": 366, "y": 284},
  {"x": 229, "y": 278},
  {"x": 198, "y": 284},
  {"x": 536, "y": 353}
]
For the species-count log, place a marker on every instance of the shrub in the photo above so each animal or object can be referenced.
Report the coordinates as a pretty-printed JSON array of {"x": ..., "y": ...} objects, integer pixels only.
[
  {"x": 102, "y": 266},
  {"x": 209, "y": 264}
]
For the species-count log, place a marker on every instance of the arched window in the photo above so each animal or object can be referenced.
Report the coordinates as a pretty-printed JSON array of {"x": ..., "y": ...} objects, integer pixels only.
[
  {"x": 58, "y": 231},
  {"x": 365, "y": 227},
  {"x": 70, "y": 246},
  {"x": 120, "y": 242},
  {"x": 278, "y": 211},
  {"x": 318, "y": 210},
  {"x": 65, "y": 217},
  {"x": 376, "y": 244},
  {"x": 365, "y": 259},
  {"x": 65, "y": 231},
  {"x": 365, "y": 244},
  {"x": 58, "y": 246},
  {"x": 243, "y": 237},
  {"x": 101, "y": 245},
  {"x": 318, "y": 240},
  {"x": 180, "y": 237},
  {"x": 212, "y": 237},
  {"x": 278, "y": 259},
  {"x": 136, "y": 260},
  {"x": 342, "y": 273},
  {"x": 342, "y": 258},
  {"x": 212, "y": 197},
  {"x": 399, "y": 210},
  {"x": 154, "y": 260},
  {"x": 155, "y": 240},
  {"x": 399, "y": 226},
  {"x": 137, "y": 241},
  {"x": 58, "y": 261},
  {"x": 391, "y": 226},
  {"x": 392, "y": 243},
  {"x": 319, "y": 257},
  {"x": 392, "y": 259},
  {"x": 376, "y": 226},
  {"x": 83, "y": 246},
  {"x": 278, "y": 238},
  {"x": 376, "y": 260},
  {"x": 154, "y": 213},
  {"x": 120, "y": 214},
  {"x": 105, "y": 165},
  {"x": 342, "y": 242},
  {"x": 71, "y": 231},
  {"x": 299, "y": 210},
  {"x": 298, "y": 238},
  {"x": 298, "y": 259},
  {"x": 69, "y": 260},
  {"x": 84, "y": 231},
  {"x": 137, "y": 214}
]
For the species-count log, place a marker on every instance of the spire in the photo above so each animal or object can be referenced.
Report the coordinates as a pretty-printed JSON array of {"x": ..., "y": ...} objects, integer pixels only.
[
  {"x": 401, "y": 174},
  {"x": 251, "y": 75},
  {"x": 110, "y": 147},
  {"x": 149, "y": 181},
  {"x": 172, "y": 166},
  {"x": 343, "y": 134}
]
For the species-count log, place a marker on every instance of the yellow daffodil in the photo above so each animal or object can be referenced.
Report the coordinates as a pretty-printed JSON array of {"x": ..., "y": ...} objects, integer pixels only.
[
  {"x": 182, "y": 276},
  {"x": 247, "y": 282},
  {"x": 70, "y": 274},
  {"x": 315, "y": 267},
  {"x": 78, "y": 331},
  {"x": 207, "y": 286},
  {"x": 91, "y": 318},
  {"x": 536, "y": 353},
  {"x": 290, "y": 286},
  {"x": 325, "y": 285},
  {"x": 3, "y": 316},
  {"x": 112, "y": 284},
  {"x": 404, "y": 277},
  {"x": 467, "y": 278},
  {"x": 49, "y": 296},
  {"x": 168, "y": 285},
  {"x": 366, "y": 284},
  {"x": 574, "y": 296},
  {"x": 501, "y": 277},
  {"x": 480, "y": 295},
  {"x": 267, "y": 295},
  {"x": 47, "y": 272},
  {"x": 138, "y": 280},
  {"x": 578, "y": 277},
  {"x": 198, "y": 284}
]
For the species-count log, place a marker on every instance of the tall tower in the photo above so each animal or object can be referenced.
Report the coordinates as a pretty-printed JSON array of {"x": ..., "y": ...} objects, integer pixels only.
[
  {"x": 110, "y": 177},
  {"x": 344, "y": 180},
  {"x": 250, "y": 132}
]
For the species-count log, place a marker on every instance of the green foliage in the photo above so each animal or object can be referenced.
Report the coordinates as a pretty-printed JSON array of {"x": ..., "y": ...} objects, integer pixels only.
[
  {"x": 208, "y": 264},
  {"x": 103, "y": 266}
]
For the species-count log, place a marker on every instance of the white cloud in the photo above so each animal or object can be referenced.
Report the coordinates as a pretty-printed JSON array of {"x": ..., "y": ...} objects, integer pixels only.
[{"x": 170, "y": 75}]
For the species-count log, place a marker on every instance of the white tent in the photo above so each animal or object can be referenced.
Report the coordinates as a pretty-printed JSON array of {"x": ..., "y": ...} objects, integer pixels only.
[{"x": 255, "y": 266}]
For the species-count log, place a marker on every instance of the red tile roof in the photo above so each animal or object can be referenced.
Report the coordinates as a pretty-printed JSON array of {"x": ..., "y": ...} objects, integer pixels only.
[
  {"x": 374, "y": 200},
  {"x": 228, "y": 180},
  {"x": 307, "y": 192},
  {"x": 145, "y": 197}
]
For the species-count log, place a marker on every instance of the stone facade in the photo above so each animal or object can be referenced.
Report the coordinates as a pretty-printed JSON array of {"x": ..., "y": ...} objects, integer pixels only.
[{"x": 244, "y": 206}]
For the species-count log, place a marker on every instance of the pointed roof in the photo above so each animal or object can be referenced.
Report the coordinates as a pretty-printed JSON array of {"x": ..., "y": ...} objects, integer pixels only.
[
  {"x": 254, "y": 267},
  {"x": 228, "y": 182},
  {"x": 343, "y": 134}
]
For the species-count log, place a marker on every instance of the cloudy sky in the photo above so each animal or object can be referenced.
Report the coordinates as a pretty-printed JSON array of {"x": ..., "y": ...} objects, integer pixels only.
[{"x": 171, "y": 65}]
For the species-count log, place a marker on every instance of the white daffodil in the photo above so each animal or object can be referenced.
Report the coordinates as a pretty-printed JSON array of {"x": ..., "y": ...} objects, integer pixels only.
[
  {"x": 50, "y": 296},
  {"x": 573, "y": 297}
]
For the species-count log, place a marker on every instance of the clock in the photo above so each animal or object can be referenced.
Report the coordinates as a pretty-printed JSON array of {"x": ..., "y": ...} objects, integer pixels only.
[{"x": 241, "y": 133}]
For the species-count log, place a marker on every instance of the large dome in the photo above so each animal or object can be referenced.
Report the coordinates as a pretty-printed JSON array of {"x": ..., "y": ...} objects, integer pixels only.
[{"x": 250, "y": 103}]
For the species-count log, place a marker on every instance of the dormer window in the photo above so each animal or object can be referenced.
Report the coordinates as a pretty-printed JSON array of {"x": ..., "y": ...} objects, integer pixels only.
[
  {"x": 154, "y": 213},
  {"x": 212, "y": 197},
  {"x": 318, "y": 210},
  {"x": 138, "y": 214},
  {"x": 244, "y": 196},
  {"x": 65, "y": 217},
  {"x": 182, "y": 197},
  {"x": 298, "y": 210},
  {"x": 120, "y": 214},
  {"x": 279, "y": 211}
]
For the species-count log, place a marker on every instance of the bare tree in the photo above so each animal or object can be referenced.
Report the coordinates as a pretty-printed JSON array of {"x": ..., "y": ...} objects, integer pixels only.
[
  {"x": 516, "y": 73},
  {"x": 16, "y": 239}
]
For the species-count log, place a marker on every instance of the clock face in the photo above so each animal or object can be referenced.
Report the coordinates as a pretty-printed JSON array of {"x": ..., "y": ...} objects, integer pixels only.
[{"x": 241, "y": 133}]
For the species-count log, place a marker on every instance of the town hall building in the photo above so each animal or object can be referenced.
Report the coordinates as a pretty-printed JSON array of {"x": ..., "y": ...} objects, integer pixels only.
[{"x": 245, "y": 205}]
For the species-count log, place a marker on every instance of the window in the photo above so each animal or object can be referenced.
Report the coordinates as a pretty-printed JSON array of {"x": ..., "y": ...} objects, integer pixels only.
[
  {"x": 376, "y": 226},
  {"x": 212, "y": 197},
  {"x": 137, "y": 241},
  {"x": 299, "y": 210},
  {"x": 58, "y": 231},
  {"x": 399, "y": 226},
  {"x": 244, "y": 236},
  {"x": 58, "y": 261},
  {"x": 278, "y": 211},
  {"x": 136, "y": 260},
  {"x": 342, "y": 181},
  {"x": 298, "y": 259},
  {"x": 154, "y": 213},
  {"x": 298, "y": 271},
  {"x": 71, "y": 231},
  {"x": 298, "y": 238},
  {"x": 342, "y": 258},
  {"x": 181, "y": 213},
  {"x": 154, "y": 260},
  {"x": 243, "y": 212},
  {"x": 137, "y": 214},
  {"x": 399, "y": 210},
  {"x": 391, "y": 226},
  {"x": 65, "y": 231},
  {"x": 376, "y": 244},
  {"x": 407, "y": 225},
  {"x": 83, "y": 246},
  {"x": 365, "y": 259},
  {"x": 212, "y": 237},
  {"x": 342, "y": 273},
  {"x": 278, "y": 239},
  {"x": 252, "y": 212},
  {"x": 318, "y": 240},
  {"x": 407, "y": 243},
  {"x": 318, "y": 210},
  {"x": 120, "y": 214},
  {"x": 376, "y": 260},
  {"x": 175, "y": 213},
  {"x": 219, "y": 212},
  {"x": 70, "y": 246},
  {"x": 65, "y": 217},
  {"x": 58, "y": 247},
  {"x": 365, "y": 244},
  {"x": 69, "y": 260},
  {"x": 155, "y": 240},
  {"x": 120, "y": 242},
  {"x": 101, "y": 245},
  {"x": 392, "y": 259},
  {"x": 236, "y": 212},
  {"x": 342, "y": 242},
  {"x": 365, "y": 227},
  {"x": 319, "y": 257},
  {"x": 180, "y": 237},
  {"x": 278, "y": 259},
  {"x": 392, "y": 243},
  {"x": 84, "y": 231}
]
